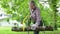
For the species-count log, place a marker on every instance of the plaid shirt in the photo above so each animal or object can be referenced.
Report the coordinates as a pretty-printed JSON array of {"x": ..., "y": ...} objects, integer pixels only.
[{"x": 35, "y": 16}]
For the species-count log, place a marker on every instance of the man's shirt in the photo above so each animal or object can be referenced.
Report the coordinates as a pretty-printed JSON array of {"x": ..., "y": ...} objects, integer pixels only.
[{"x": 35, "y": 16}]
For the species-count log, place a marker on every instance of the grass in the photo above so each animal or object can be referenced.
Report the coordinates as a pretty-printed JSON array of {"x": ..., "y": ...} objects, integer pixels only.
[{"x": 7, "y": 30}]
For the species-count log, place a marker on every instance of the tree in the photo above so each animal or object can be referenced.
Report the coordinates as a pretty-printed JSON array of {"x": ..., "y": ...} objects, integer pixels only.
[
  {"x": 17, "y": 8},
  {"x": 53, "y": 5}
]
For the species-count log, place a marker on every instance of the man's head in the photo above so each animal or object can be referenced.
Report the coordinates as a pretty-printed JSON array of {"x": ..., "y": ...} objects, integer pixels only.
[{"x": 32, "y": 5}]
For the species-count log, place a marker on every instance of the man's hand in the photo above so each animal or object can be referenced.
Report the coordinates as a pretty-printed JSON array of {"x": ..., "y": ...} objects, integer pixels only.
[{"x": 34, "y": 26}]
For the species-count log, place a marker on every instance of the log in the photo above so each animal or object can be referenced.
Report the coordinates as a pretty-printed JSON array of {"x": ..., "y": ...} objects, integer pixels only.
[{"x": 40, "y": 28}]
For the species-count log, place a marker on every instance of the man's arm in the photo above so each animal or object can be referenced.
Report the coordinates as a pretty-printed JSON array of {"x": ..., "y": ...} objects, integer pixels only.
[{"x": 38, "y": 18}]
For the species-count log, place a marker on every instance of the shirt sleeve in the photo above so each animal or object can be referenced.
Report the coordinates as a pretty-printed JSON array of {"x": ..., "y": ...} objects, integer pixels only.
[{"x": 38, "y": 18}]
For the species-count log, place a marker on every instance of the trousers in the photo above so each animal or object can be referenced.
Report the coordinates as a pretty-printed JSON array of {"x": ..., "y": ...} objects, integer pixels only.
[
  {"x": 36, "y": 32},
  {"x": 41, "y": 24}
]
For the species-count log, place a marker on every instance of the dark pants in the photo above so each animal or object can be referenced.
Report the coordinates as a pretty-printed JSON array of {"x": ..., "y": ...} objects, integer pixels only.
[
  {"x": 36, "y": 32},
  {"x": 41, "y": 24}
]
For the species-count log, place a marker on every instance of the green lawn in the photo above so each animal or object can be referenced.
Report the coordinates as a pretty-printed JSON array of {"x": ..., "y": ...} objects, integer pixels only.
[{"x": 7, "y": 30}]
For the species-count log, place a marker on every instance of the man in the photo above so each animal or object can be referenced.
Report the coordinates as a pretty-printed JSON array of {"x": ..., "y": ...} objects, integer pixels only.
[{"x": 35, "y": 16}]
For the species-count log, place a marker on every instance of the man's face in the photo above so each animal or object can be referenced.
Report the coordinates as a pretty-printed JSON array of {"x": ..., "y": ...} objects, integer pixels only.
[{"x": 32, "y": 6}]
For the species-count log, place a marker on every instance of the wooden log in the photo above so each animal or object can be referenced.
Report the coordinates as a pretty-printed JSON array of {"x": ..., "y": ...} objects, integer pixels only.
[{"x": 40, "y": 28}]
